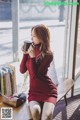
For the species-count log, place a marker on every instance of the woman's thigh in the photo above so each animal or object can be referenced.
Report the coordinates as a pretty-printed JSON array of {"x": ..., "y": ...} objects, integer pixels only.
[
  {"x": 47, "y": 111},
  {"x": 35, "y": 108},
  {"x": 35, "y": 104},
  {"x": 29, "y": 115}
]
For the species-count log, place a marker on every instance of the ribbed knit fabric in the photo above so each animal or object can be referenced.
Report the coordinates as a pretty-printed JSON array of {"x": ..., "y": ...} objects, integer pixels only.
[{"x": 42, "y": 88}]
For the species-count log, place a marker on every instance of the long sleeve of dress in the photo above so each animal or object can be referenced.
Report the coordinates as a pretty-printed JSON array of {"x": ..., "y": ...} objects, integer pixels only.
[
  {"x": 38, "y": 71},
  {"x": 23, "y": 67},
  {"x": 41, "y": 87}
]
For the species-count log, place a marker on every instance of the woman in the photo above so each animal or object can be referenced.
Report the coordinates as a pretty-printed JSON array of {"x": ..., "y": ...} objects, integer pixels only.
[{"x": 42, "y": 92}]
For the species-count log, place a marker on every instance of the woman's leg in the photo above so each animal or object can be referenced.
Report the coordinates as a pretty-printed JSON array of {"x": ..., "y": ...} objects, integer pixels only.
[
  {"x": 35, "y": 109},
  {"x": 47, "y": 111},
  {"x": 29, "y": 115}
]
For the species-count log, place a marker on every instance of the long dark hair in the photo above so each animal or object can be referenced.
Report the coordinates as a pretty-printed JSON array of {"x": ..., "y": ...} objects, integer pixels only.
[{"x": 42, "y": 32}]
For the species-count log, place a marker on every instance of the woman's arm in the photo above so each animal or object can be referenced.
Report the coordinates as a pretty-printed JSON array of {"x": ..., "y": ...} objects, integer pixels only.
[{"x": 23, "y": 67}]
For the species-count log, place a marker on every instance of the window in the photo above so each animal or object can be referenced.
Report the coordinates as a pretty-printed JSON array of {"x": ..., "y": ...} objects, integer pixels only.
[
  {"x": 52, "y": 16},
  {"x": 5, "y": 33},
  {"x": 77, "y": 70}
]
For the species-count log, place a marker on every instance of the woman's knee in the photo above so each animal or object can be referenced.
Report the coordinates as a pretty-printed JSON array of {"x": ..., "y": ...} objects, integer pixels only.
[
  {"x": 47, "y": 112},
  {"x": 35, "y": 111},
  {"x": 47, "y": 116}
]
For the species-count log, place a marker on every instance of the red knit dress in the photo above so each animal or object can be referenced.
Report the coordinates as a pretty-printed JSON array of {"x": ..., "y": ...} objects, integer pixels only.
[{"x": 41, "y": 88}]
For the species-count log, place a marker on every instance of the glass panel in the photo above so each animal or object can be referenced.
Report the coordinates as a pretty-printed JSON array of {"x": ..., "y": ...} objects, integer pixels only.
[
  {"x": 54, "y": 17},
  {"x": 67, "y": 40},
  {"x": 5, "y": 32},
  {"x": 77, "y": 71}
]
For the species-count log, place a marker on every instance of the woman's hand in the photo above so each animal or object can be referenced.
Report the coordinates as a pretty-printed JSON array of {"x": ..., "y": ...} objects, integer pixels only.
[
  {"x": 24, "y": 52},
  {"x": 31, "y": 51}
]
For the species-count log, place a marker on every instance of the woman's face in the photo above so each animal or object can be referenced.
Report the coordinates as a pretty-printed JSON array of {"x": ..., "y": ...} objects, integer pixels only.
[{"x": 34, "y": 37}]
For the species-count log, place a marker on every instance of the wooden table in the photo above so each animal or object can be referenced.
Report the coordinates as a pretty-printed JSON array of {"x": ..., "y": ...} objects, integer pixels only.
[{"x": 19, "y": 113}]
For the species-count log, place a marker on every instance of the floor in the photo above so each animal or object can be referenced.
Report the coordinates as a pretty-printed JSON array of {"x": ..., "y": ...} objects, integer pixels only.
[{"x": 69, "y": 112}]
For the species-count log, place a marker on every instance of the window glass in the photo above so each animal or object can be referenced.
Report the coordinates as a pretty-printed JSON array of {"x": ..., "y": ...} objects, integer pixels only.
[
  {"x": 5, "y": 32},
  {"x": 52, "y": 16}
]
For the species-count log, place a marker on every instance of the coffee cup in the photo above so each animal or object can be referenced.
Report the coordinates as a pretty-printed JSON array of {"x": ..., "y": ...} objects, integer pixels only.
[{"x": 26, "y": 45}]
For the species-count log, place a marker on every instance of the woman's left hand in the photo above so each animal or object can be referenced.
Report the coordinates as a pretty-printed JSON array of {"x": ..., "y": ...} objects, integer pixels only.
[{"x": 31, "y": 51}]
